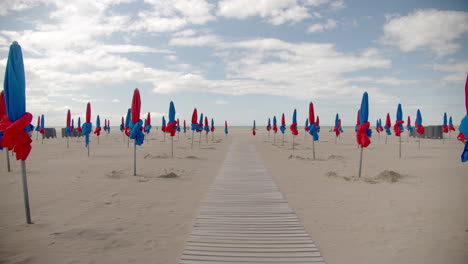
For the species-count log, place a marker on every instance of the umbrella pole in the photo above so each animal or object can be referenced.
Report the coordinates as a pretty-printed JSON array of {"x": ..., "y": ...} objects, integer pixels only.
[
  {"x": 8, "y": 159},
  {"x": 128, "y": 142},
  {"x": 193, "y": 133},
  {"x": 178, "y": 136},
  {"x": 283, "y": 140},
  {"x": 274, "y": 139},
  {"x": 212, "y": 136},
  {"x": 199, "y": 141},
  {"x": 268, "y": 135},
  {"x": 42, "y": 139},
  {"x": 123, "y": 137},
  {"x": 386, "y": 136},
  {"x": 293, "y": 144},
  {"x": 172, "y": 147},
  {"x": 419, "y": 143},
  {"x": 37, "y": 135},
  {"x": 98, "y": 140},
  {"x": 164, "y": 137},
  {"x": 88, "y": 150},
  {"x": 25, "y": 192},
  {"x": 360, "y": 163},
  {"x": 206, "y": 137},
  {"x": 313, "y": 147},
  {"x": 134, "y": 160},
  {"x": 68, "y": 144},
  {"x": 400, "y": 145},
  {"x": 336, "y": 140}
]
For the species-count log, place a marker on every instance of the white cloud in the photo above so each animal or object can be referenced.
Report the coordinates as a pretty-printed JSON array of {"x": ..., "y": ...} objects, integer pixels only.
[
  {"x": 331, "y": 23},
  {"x": 457, "y": 71},
  {"x": 221, "y": 102},
  {"x": 427, "y": 29},
  {"x": 15, "y": 5},
  {"x": 275, "y": 11},
  {"x": 115, "y": 100}
]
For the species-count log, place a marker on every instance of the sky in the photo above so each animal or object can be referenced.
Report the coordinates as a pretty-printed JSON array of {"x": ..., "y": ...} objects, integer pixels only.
[{"x": 240, "y": 60}]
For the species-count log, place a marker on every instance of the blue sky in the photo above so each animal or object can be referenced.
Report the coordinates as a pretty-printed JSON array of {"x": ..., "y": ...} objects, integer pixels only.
[{"x": 240, "y": 60}]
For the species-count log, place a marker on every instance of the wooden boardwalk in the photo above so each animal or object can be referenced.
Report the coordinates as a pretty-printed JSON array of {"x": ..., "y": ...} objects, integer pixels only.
[{"x": 245, "y": 219}]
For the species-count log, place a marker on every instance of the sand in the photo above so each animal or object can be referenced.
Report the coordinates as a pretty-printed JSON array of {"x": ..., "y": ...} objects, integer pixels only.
[
  {"x": 92, "y": 210},
  {"x": 409, "y": 210}
]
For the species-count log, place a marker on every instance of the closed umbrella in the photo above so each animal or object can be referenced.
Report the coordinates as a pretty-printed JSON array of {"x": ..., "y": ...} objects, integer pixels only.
[
  {"x": 225, "y": 128},
  {"x": 163, "y": 128},
  {"x": 206, "y": 128},
  {"x": 275, "y": 129},
  {"x": 148, "y": 123},
  {"x": 463, "y": 128},
  {"x": 97, "y": 131},
  {"x": 171, "y": 125},
  {"x": 268, "y": 128},
  {"x": 313, "y": 128},
  {"x": 128, "y": 121},
  {"x": 194, "y": 124},
  {"x": 363, "y": 132},
  {"x": 136, "y": 125},
  {"x": 398, "y": 127},
  {"x": 409, "y": 127},
  {"x": 16, "y": 124},
  {"x": 283, "y": 127},
  {"x": 78, "y": 128},
  {"x": 388, "y": 125},
  {"x": 200, "y": 128},
  {"x": 253, "y": 129},
  {"x": 38, "y": 127},
  {"x": 42, "y": 130},
  {"x": 4, "y": 114},
  {"x": 419, "y": 126},
  {"x": 336, "y": 128},
  {"x": 178, "y": 129},
  {"x": 293, "y": 128},
  {"x": 451, "y": 127},
  {"x": 212, "y": 129},
  {"x": 68, "y": 127}
]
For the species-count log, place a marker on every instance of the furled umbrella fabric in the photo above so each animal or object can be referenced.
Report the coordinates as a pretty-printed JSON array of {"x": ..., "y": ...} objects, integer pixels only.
[
  {"x": 293, "y": 126},
  {"x": 108, "y": 126},
  {"x": 253, "y": 129},
  {"x": 268, "y": 128},
  {"x": 463, "y": 128},
  {"x": 212, "y": 128},
  {"x": 178, "y": 125},
  {"x": 68, "y": 123},
  {"x": 97, "y": 131},
  {"x": 185, "y": 127},
  {"x": 363, "y": 132},
  {"x": 207, "y": 126},
  {"x": 42, "y": 130},
  {"x": 72, "y": 128},
  {"x": 313, "y": 127},
  {"x": 122, "y": 125},
  {"x": 336, "y": 128},
  {"x": 87, "y": 126},
  {"x": 128, "y": 121},
  {"x": 306, "y": 126},
  {"x": 78, "y": 128},
  {"x": 283, "y": 124},
  {"x": 171, "y": 127},
  {"x": 358, "y": 121},
  {"x": 398, "y": 127},
  {"x": 340, "y": 128},
  {"x": 200, "y": 123},
  {"x": 388, "y": 125},
  {"x": 136, "y": 123},
  {"x": 38, "y": 127},
  {"x": 194, "y": 124},
  {"x": 275, "y": 125},
  {"x": 163, "y": 125},
  {"x": 418, "y": 123},
  {"x": 445, "y": 128},
  {"x": 451, "y": 127},
  {"x": 226, "y": 131},
  {"x": 317, "y": 123},
  {"x": 408, "y": 125},
  {"x": 148, "y": 123}
]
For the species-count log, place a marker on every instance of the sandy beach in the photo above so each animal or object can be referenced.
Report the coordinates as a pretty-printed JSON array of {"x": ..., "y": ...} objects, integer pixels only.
[{"x": 93, "y": 210}]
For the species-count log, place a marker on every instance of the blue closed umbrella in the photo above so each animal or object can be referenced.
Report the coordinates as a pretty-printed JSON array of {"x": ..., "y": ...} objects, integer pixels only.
[
  {"x": 17, "y": 126},
  {"x": 364, "y": 127}
]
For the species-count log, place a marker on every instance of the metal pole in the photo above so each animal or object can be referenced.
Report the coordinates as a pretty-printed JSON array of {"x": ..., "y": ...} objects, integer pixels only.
[
  {"x": 400, "y": 146},
  {"x": 134, "y": 160},
  {"x": 128, "y": 142},
  {"x": 88, "y": 149},
  {"x": 98, "y": 139},
  {"x": 199, "y": 141},
  {"x": 386, "y": 136},
  {"x": 336, "y": 139},
  {"x": 293, "y": 144},
  {"x": 419, "y": 143},
  {"x": 68, "y": 145},
  {"x": 274, "y": 139},
  {"x": 8, "y": 160},
  {"x": 25, "y": 192},
  {"x": 313, "y": 147},
  {"x": 360, "y": 162},
  {"x": 164, "y": 136},
  {"x": 283, "y": 140},
  {"x": 193, "y": 134},
  {"x": 37, "y": 135},
  {"x": 206, "y": 135},
  {"x": 172, "y": 147}
]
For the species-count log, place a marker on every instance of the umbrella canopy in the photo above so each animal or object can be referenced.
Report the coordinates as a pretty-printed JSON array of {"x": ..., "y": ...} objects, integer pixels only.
[
  {"x": 317, "y": 123},
  {"x": 128, "y": 121},
  {"x": 16, "y": 124},
  {"x": 79, "y": 125},
  {"x": 136, "y": 124},
  {"x": 408, "y": 125},
  {"x": 268, "y": 128},
  {"x": 163, "y": 125},
  {"x": 38, "y": 127},
  {"x": 97, "y": 131},
  {"x": 207, "y": 126},
  {"x": 445, "y": 126},
  {"x": 108, "y": 126},
  {"x": 148, "y": 123},
  {"x": 200, "y": 123},
  {"x": 275, "y": 125},
  {"x": 87, "y": 126},
  {"x": 306, "y": 126},
  {"x": 3, "y": 107},
  {"x": 358, "y": 121},
  {"x": 339, "y": 126},
  {"x": 313, "y": 128},
  {"x": 418, "y": 123},
  {"x": 212, "y": 128},
  {"x": 336, "y": 128},
  {"x": 172, "y": 123},
  {"x": 363, "y": 132},
  {"x": 194, "y": 123},
  {"x": 451, "y": 127},
  {"x": 185, "y": 127},
  {"x": 388, "y": 125},
  {"x": 398, "y": 127},
  {"x": 293, "y": 126},
  {"x": 68, "y": 127},
  {"x": 178, "y": 125},
  {"x": 42, "y": 124},
  {"x": 254, "y": 128},
  {"x": 225, "y": 128},
  {"x": 283, "y": 124},
  {"x": 463, "y": 128},
  {"x": 122, "y": 125},
  {"x": 72, "y": 128}
]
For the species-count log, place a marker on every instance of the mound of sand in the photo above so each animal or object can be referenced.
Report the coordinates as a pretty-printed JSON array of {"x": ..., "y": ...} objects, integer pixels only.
[
  {"x": 335, "y": 157},
  {"x": 163, "y": 156},
  {"x": 169, "y": 175},
  {"x": 192, "y": 157},
  {"x": 389, "y": 176}
]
